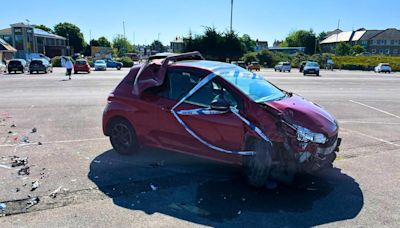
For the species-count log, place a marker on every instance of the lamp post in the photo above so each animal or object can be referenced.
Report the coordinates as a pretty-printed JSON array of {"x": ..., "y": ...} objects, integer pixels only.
[
  {"x": 231, "y": 13},
  {"x": 68, "y": 49}
]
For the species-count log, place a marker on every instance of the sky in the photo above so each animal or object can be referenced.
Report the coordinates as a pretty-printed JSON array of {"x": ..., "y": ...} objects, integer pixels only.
[{"x": 148, "y": 20}]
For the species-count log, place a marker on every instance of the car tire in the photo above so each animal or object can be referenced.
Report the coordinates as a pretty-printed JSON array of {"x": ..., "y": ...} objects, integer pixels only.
[
  {"x": 304, "y": 73},
  {"x": 257, "y": 167},
  {"x": 118, "y": 67},
  {"x": 318, "y": 74},
  {"x": 122, "y": 136}
]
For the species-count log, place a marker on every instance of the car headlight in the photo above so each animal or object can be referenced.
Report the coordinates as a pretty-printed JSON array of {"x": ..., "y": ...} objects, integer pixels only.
[{"x": 305, "y": 135}]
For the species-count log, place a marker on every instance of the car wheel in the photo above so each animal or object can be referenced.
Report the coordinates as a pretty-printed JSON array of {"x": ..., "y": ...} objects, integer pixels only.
[
  {"x": 123, "y": 137},
  {"x": 75, "y": 72},
  {"x": 118, "y": 67},
  {"x": 257, "y": 167},
  {"x": 304, "y": 73},
  {"x": 30, "y": 72},
  {"x": 318, "y": 74}
]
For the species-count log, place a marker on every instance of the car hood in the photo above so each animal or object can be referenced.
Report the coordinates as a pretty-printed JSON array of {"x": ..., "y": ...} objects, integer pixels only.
[{"x": 297, "y": 110}]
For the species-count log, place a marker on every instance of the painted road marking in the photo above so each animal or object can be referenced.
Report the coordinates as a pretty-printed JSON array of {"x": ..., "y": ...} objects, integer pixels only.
[
  {"x": 376, "y": 109},
  {"x": 55, "y": 142},
  {"x": 372, "y": 137}
]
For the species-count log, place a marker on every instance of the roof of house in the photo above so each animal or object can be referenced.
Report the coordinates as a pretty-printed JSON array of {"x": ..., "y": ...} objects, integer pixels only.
[
  {"x": 5, "y": 47},
  {"x": 42, "y": 33},
  {"x": 328, "y": 34},
  {"x": 388, "y": 34},
  {"x": 370, "y": 33},
  {"x": 344, "y": 37},
  {"x": 6, "y": 31}
]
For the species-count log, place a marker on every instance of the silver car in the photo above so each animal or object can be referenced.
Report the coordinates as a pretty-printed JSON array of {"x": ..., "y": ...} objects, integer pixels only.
[
  {"x": 100, "y": 65},
  {"x": 283, "y": 66}
]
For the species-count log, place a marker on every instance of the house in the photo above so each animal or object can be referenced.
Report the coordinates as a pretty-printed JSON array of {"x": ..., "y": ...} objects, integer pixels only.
[
  {"x": 27, "y": 39},
  {"x": 177, "y": 45},
  {"x": 385, "y": 42},
  {"x": 261, "y": 45}
]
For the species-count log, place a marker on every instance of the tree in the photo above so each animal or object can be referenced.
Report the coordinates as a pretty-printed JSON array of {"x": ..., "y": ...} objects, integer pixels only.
[
  {"x": 157, "y": 46},
  {"x": 73, "y": 34},
  {"x": 357, "y": 49},
  {"x": 250, "y": 57},
  {"x": 122, "y": 44},
  {"x": 343, "y": 49},
  {"x": 216, "y": 45},
  {"x": 101, "y": 42},
  {"x": 44, "y": 28},
  {"x": 322, "y": 36},
  {"x": 248, "y": 43},
  {"x": 302, "y": 38}
]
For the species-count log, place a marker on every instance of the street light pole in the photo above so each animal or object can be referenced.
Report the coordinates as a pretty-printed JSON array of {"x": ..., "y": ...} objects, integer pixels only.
[
  {"x": 231, "y": 13},
  {"x": 123, "y": 25}
]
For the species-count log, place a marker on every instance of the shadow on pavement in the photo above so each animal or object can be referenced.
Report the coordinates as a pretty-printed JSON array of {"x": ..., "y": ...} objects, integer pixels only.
[{"x": 215, "y": 194}]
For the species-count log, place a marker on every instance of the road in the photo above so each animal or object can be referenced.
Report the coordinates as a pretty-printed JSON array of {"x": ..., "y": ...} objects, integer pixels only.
[{"x": 98, "y": 188}]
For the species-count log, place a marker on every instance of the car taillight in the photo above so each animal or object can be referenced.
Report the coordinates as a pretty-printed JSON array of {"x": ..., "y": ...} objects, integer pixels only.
[{"x": 110, "y": 97}]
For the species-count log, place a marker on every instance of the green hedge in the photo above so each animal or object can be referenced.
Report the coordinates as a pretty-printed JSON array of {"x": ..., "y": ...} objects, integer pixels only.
[
  {"x": 126, "y": 61},
  {"x": 365, "y": 62},
  {"x": 56, "y": 61}
]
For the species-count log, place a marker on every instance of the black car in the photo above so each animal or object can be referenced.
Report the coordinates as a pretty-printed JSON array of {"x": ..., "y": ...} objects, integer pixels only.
[
  {"x": 16, "y": 65},
  {"x": 40, "y": 65}
]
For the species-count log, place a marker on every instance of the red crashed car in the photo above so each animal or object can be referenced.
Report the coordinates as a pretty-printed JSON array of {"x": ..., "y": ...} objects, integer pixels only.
[
  {"x": 81, "y": 65},
  {"x": 221, "y": 112}
]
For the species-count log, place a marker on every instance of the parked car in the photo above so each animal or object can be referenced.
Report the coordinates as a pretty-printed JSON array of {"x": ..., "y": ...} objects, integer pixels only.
[
  {"x": 100, "y": 65},
  {"x": 221, "y": 112},
  {"x": 40, "y": 65},
  {"x": 311, "y": 68},
  {"x": 114, "y": 64},
  {"x": 81, "y": 65},
  {"x": 16, "y": 65},
  {"x": 254, "y": 66},
  {"x": 283, "y": 66},
  {"x": 301, "y": 66},
  {"x": 383, "y": 67}
]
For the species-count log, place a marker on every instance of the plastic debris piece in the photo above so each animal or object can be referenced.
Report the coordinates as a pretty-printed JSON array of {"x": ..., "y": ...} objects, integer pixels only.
[
  {"x": 32, "y": 202},
  {"x": 24, "y": 171},
  {"x": 25, "y": 139},
  {"x": 10, "y": 132},
  {"x": 55, "y": 192},
  {"x": 271, "y": 185},
  {"x": 153, "y": 187},
  {"x": 13, "y": 125},
  {"x": 17, "y": 161},
  {"x": 40, "y": 143},
  {"x": 34, "y": 130},
  {"x": 35, "y": 185}
]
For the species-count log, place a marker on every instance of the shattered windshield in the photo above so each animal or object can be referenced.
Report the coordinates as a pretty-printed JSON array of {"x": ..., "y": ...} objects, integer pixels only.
[{"x": 255, "y": 87}]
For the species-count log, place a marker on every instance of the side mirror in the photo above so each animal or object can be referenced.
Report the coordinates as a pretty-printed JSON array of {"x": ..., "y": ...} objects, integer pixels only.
[{"x": 220, "y": 104}]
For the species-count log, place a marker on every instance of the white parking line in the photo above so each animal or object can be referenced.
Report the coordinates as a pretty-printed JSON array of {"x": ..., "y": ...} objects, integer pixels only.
[
  {"x": 366, "y": 122},
  {"x": 372, "y": 137},
  {"x": 55, "y": 142},
  {"x": 376, "y": 109}
]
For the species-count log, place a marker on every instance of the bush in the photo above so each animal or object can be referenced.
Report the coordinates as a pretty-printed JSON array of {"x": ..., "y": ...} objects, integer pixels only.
[
  {"x": 365, "y": 62},
  {"x": 249, "y": 57},
  {"x": 126, "y": 61},
  {"x": 56, "y": 61}
]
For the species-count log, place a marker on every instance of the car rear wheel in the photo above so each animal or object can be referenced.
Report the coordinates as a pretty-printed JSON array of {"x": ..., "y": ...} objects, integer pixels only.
[
  {"x": 257, "y": 167},
  {"x": 122, "y": 136},
  {"x": 118, "y": 67}
]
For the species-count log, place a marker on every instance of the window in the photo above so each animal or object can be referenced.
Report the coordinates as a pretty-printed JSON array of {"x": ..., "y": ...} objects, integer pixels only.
[
  {"x": 178, "y": 83},
  {"x": 380, "y": 51},
  {"x": 392, "y": 42},
  {"x": 383, "y": 42},
  {"x": 373, "y": 51},
  {"x": 377, "y": 42},
  {"x": 387, "y": 51},
  {"x": 395, "y": 51}
]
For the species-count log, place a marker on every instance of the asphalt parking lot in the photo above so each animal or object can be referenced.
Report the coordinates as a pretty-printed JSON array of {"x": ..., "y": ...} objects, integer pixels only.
[{"x": 157, "y": 188}]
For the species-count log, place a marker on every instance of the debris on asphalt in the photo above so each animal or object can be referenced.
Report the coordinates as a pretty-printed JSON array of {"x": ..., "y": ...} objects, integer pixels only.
[
  {"x": 271, "y": 185},
  {"x": 17, "y": 161},
  {"x": 32, "y": 202},
  {"x": 2, "y": 209},
  {"x": 153, "y": 187},
  {"x": 35, "y": 185},
  {"x": 34, "y": 130},
  {"x": 55, "y": 192},
  {"x": 10, "y": 132},
  {"x": 25, "y": 139},
  {"x": 39, "y": 143},
  {"x": 13, "y": 125},
  {"x": 17, "y": 189},
  {"x": 24, "y": 171}
]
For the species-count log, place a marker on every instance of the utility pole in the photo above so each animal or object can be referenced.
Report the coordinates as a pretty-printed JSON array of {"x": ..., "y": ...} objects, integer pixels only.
[
  {"x": 123, "y": 26},
  {"x": 158, "y": 36},
  {"x": 231, "y": 13}
]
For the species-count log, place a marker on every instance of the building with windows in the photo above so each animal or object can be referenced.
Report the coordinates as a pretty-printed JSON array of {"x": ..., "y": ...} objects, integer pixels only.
[
  {"x": 27, "y": 39},
  {"x": 261, "y": 45},
  {"x": 384, "y": 42},
  {"x": 177, "y": 45},
  {"x": 6, "y": 51}
]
